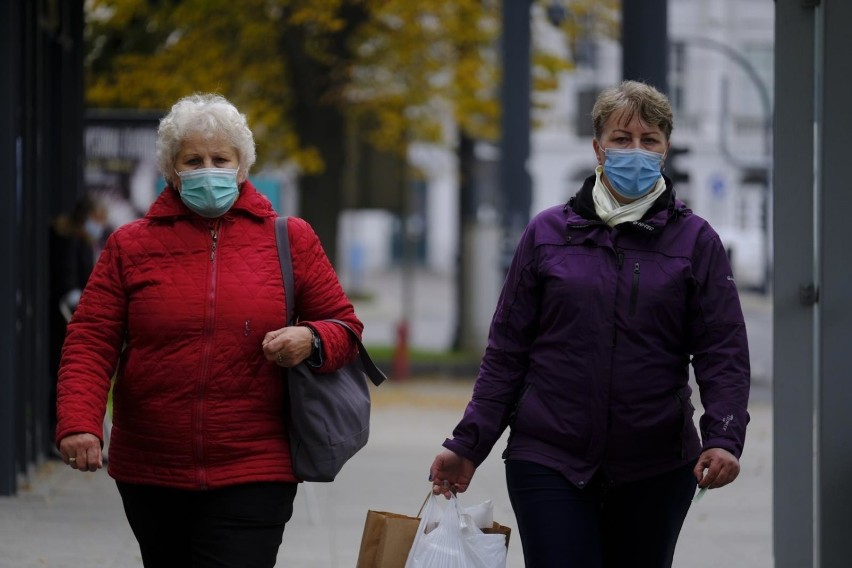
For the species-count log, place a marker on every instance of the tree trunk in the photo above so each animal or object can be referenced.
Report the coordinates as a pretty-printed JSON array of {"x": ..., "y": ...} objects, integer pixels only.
[
  {"x": 467, "y": 219},
  {"x": 320, "y": 195},
  {"x": 320, "y": 124}
]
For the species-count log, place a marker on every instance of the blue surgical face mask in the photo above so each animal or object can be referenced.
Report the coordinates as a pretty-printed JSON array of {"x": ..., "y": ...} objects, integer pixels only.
[
  {"x": 210, "y": 192},
  {"x": 632, "y": 172}
]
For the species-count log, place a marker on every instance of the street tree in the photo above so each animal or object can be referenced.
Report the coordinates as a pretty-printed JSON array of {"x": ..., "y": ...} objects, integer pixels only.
[{"x": 311, "y": 74}]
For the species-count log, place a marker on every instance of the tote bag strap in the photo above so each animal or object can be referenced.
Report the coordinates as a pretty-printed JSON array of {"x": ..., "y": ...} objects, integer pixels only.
[
  {"x": 376, "y": 375},
  {"x": 282, "y": 239}
]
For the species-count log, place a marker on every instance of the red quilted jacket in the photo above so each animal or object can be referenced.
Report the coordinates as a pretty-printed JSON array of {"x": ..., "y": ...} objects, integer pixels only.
[{"x": 181, "y": 315}]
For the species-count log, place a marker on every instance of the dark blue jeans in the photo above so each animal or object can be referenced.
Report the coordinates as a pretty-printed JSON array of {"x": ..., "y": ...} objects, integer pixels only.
[
  {"x": 234, "y": 527},
  {"x": 601, "y": 526}
]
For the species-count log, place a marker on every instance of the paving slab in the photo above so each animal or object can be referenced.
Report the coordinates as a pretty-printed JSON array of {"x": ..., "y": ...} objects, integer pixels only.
[{"x": 66, "y": 519}]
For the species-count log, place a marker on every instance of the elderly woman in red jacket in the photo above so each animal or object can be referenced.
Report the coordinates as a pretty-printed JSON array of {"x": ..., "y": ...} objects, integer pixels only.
[{"x": 187, "y": 304}]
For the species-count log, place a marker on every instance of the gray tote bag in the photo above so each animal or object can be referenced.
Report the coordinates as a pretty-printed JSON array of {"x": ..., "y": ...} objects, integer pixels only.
[{"x": 328, "y": 419}]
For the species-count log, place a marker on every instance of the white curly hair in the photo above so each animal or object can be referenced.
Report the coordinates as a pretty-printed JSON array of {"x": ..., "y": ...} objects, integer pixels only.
[{"x": 207, "y": 114}]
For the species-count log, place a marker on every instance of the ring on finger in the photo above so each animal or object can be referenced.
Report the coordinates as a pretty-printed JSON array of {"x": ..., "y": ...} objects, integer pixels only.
[{"x": 280, "y": 359}]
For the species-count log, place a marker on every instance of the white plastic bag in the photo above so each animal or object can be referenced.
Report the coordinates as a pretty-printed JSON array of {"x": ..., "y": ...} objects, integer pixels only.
[
  {"x": 449, "y": 538},
  {"x": 482, "y": 514}
]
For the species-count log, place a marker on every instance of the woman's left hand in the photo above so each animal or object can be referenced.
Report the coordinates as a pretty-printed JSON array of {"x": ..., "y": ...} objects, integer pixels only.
[
  {"x": 82, "y": 452},
  {"x": 721, "y": 468},
  {"x": 288, "y": 346}
]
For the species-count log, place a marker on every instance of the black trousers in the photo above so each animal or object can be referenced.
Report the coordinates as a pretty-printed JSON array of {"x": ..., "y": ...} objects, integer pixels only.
[
  {"x": 601, "y": 526},
  {"x": 234, "y": 527}
]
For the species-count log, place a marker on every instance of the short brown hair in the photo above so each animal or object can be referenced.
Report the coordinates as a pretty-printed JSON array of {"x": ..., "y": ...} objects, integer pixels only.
[{"x": 629, "y": 98}]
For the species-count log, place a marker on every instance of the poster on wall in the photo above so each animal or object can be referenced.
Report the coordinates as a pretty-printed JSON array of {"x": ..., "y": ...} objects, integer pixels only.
[{"x": 120, "y": 162}]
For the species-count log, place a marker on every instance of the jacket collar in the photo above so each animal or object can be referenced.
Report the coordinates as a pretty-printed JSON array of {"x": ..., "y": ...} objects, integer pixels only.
[
  {"x": 580, "y": 209},
  {"x": 250, "y": 202}
]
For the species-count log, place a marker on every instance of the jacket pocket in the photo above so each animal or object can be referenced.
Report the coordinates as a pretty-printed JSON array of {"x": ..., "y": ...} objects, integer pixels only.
[
  {"x": 513, "y": 417},
  {"x": 687, "y": 411}
]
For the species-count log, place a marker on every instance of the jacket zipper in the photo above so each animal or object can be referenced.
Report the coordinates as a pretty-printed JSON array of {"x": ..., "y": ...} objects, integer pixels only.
[
  {"x": 205, "y": 359},
  {"x": 619, "y": 262},
  {"x": 634, "y": 290},
  {"x": 214, "y": 232}
]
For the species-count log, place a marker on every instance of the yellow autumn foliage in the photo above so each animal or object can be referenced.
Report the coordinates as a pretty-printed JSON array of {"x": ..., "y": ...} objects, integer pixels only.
[{"x": 402, "y": 67}]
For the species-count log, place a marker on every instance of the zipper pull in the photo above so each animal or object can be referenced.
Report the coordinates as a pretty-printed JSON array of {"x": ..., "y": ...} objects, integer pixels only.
[
  {"x": 634, "y": 289},
  {"x": 214, "y": 233}
]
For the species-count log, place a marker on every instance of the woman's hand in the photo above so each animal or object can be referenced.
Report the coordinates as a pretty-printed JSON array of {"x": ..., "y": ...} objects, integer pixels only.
[
  {"x": 721, "y": 468},
  {"x": 450, "y": 473},
  {"x": 82, "y": 452},
  {"x": 288, "y": 346}
]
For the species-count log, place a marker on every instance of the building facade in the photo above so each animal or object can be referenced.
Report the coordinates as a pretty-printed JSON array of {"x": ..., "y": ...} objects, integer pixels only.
[{"x": 720, "y": 75}]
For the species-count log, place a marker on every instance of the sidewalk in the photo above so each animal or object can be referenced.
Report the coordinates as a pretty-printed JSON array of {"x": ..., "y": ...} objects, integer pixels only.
[{"x": 67, "y": 519}]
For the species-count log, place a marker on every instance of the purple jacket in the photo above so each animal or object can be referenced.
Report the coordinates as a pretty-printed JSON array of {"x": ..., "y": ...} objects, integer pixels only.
[{"x": 589, "y": 349}]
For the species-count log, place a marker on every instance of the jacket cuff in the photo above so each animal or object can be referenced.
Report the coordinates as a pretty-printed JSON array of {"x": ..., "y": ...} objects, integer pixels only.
[
  {"x": 464, "y": 451},
  {"x": 725, "y": 444}
]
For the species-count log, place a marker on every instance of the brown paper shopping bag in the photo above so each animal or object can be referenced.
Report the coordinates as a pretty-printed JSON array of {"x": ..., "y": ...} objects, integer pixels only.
[
  {"x": 387, "y": 538},
  {"x": 497, "y": 528}
]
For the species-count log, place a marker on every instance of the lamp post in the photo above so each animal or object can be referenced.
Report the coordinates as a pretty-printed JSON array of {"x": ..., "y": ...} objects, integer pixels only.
[
  {"x": 751, "y": 72},
  {"x": 644, "y": 47},
  {"x": 515, "y": 181},
  {"x": 766, "y": 104}
]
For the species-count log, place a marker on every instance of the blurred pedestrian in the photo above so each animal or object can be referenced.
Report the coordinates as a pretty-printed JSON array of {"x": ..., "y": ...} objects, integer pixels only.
[
  {"x": 608, "y": 300},
  {"x": 188, "y": 303},
  {"x": 76, "y": 239}
]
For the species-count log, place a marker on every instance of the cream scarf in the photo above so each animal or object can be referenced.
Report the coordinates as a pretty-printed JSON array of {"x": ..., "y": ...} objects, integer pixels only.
[{"x": 612, "y": 212}]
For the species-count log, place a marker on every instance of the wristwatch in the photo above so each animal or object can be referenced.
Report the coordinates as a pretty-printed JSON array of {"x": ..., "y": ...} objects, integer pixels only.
[{"x": 315, "y": 359}]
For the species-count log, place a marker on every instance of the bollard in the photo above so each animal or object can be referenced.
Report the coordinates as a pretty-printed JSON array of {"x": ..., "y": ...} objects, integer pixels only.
[{"x": 401, "y": 367}]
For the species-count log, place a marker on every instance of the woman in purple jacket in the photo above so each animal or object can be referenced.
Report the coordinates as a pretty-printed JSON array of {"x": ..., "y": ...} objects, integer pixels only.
[{"x": 608, "y": 300}]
